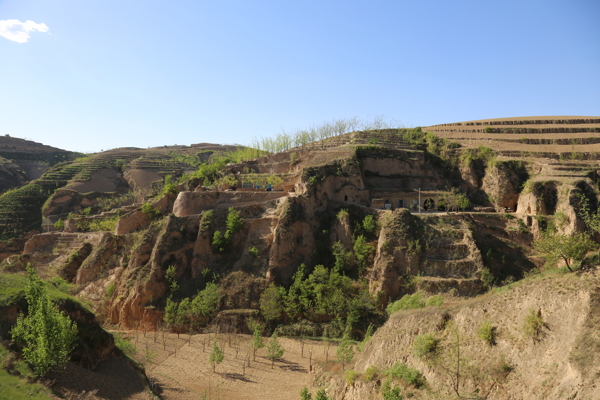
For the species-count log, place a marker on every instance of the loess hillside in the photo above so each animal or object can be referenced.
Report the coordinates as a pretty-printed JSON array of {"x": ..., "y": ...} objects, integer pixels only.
[
  {"x": 64, "y": 183},
  {"x": 328, "y": 239}
]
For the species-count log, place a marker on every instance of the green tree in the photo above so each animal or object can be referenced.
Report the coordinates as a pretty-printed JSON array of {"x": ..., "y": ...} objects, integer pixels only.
[
  {"x": 234, "y": 221},
  {"x": 274, "y": 180},
  {"x": 205, "y": 302},
  {"x": 369, "y": 224},
  {"x": 345, "y": 351},
  {"x": 171, "y": 311},
  {"x": 226, "y": 182},
  {"x": 342, "y": 256},
  {"x": 47, "y": 335},
  {"x": 151, "y": 211},
  {"x": 321, "y": 395},
  {"x": 270, "y": 303},
  {"x": 362, "y": 251},
  {"x": 426, "y": 347},
  {"x": 169, "y": 186},
  {"x": 389, "y": 392},
  {"x": 216, "y": 356},
  {"x": 453, "y": 200},
  {"x": 274, "y": 349},
  {"x": 171, "y": 279},
  {"x": 591, "y": 218},
  {"x": 462, "y": 201},
  {"x": 296, "y": 301},
  {"x": 305, "y": 394},
  {"x": 554, "y": 246},
  {"x": 257, "y": 341},
  {"x": 220, "y": 242}
]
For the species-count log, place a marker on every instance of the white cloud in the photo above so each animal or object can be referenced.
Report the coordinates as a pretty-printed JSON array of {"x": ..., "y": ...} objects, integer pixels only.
[{"x": 17, "y": 31}]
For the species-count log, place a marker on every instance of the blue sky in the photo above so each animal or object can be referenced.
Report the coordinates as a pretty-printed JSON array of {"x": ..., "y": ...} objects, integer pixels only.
[{"x": 110, "y": 73}]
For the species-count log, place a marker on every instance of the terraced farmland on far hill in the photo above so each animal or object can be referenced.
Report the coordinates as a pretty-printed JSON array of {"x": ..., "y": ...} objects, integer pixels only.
[{"x": 573, "y": 137}]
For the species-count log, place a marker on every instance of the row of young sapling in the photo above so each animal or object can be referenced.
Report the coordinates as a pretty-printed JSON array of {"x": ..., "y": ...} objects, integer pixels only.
[{"x": 213, "y": 342}]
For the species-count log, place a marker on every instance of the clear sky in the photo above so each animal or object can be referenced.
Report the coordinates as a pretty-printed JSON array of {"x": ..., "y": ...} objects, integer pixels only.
[{"x": 87, "y": 75}]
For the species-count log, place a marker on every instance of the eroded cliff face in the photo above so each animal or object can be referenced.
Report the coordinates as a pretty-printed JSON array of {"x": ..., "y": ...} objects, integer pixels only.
[
  {"x": 503, "y": 182},
  {"x": 407, "y": 171},
  {"x": 190, "y": 203},
  {"x": 440, "y": 251},
  {"x": 124, "y": 273},
  {"x": 553, "y": 198},
  {"x": 394, "y": 259}
]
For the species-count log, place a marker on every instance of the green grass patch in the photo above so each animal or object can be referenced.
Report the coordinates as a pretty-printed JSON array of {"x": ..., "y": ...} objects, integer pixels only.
[
  {"x": 124, "y": 344},
  {"x": 533, "y": 324},
  {"x": 372, "y": 373},
  {"x": 414, "y": 301},
  {"x": 487, "y": 333},
  {"x": 410, "y": 375},
  {"x": 435, "y": 300},
  {"x": 12, "y": 289},
  {"x": 15, "y": 385},
  {"x": 106, "y": 224},
  {"x": 407, "y": 302},
  {"x": 426, "y": 346}
]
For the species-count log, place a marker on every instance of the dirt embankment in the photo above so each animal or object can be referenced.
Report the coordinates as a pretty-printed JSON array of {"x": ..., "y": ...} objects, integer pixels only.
[{"x": 559, "y": 359}]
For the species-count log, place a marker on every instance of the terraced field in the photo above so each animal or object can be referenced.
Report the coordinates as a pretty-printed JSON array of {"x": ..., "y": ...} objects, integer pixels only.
[
  {"x": 20, "y": 209},
  {"x": 560, "y": 137}
]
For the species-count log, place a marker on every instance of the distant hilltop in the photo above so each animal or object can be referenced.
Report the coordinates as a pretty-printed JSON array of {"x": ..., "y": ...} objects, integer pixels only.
[
  {"x": 517, "y": 136},
  {"x": 16, "y": 145}
]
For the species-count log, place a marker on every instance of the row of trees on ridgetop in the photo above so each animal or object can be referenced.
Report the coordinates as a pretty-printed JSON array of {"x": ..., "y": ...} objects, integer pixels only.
[{"x": 300, "y": 137}]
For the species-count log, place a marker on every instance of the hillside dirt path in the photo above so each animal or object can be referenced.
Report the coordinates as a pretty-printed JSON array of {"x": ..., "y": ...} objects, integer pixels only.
[{"x": 179, "y": 368}]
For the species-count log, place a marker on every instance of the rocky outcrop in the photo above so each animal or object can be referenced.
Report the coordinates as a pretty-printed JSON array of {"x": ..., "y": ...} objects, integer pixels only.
[
  {"x": 141, "y": 283},
  {"x": 342, "y": 231},
  {"x": 552, "y": 198},
  {"x": 142, "y": 181},
  {"x": 472, "y": 173},
  {"x": 64, "y": 201},
  {"x": 131, "y": 222},
  {"x": 54, "y": 253},
  {"x": 396, "y": 255},
  {"x": 191, "y": 203},
  {"x": 68, "y": 271},
  {"x": 102, "y": 257},
  {"x": 441, "y": 251},
  {"x": 503, "y": 183},
  {"x": 293, "y": 240},
  {"x": 406, "y": 170}
]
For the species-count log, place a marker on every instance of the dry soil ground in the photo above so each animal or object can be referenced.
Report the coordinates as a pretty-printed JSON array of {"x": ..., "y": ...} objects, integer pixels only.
[{"x": 179, "y": 368}]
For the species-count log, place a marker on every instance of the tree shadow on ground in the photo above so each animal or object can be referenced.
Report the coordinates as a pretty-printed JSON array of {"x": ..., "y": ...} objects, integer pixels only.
[
  {"x": 291, "y": 366},
  {"x": 237, "y": 377}
]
